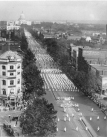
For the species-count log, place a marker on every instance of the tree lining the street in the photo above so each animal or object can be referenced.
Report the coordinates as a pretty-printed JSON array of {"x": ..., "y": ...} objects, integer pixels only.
[
  {"x": 39, "y": 118},
  {"x": 87, "y": 82},
  {"x": 28, "y": 58},
  {"x": 33, "y": 83}
]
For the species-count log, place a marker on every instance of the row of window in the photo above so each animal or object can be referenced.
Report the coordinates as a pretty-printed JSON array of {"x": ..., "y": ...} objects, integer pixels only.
[
  {"x": 11, "y": 67},
  {"x": 102, "y": 72},
  {"x": 12, "y": 91},
  {"x": 11, "y": 74},
  {"x": 11, "y": 82}
]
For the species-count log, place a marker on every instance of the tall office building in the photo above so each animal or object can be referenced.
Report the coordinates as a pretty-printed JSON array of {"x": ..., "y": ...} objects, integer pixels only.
[{"x": 10, "y": 77}]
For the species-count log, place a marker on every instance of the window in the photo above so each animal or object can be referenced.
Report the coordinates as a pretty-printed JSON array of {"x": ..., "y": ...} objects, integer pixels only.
[
  {"x": 4, "y": 91},
  {"x": 11, "y": 74},
  {"x": 11, "y": 67},
  {"x": 18, "y": 73},
  {"x": 18, "y": 66},
  {"x": 3, "y": 67},
  {"x": 4, "y": 73},
  {"x": 4, "y": 82},
  {"x": 18, "y": 90},
  {"x": 18, "y": 81},
  {"x": 11, "y": 82}
]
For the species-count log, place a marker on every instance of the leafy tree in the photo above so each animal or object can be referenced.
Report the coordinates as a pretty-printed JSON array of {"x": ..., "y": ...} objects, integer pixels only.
[
  {"x": 94, "y": 82},
  {"x": 24, "y": 44},
  {"x": 88, "y": 82},
  {"x": 39, "y": 119},
  {"x": 33, "y": 83},
  {"x": 80, "y": 79},
  {"x": 28, "y": 58}
]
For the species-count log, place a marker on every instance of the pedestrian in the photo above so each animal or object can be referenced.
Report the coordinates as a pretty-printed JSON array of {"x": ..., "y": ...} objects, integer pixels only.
[
  {"x": 76, "y": 128},
  {"x": 67, "y": 115},
  {"x": 97, "y": 117},
  {"x": 69, "y": 119},
  {"x": 98, "y": 129},
  {"x": 86, "y": 128},
  {"x": 104, "y": 117},
  {"x": 64, "y": 118},
  {"x": 64, "y": 110},
  {"x": 9, "y": 116},
  {"x": 78, "y": 109},
  {"x": 72, "y": 115},
  {"x": 16, "y": 122},
  {"x": 92, "y": 109},
  {"x": 90, "y": 118},
  {"x": 58, "y": 119},
  {"x": 65, "y": 129},
  {"x": 80, "y": 114}
]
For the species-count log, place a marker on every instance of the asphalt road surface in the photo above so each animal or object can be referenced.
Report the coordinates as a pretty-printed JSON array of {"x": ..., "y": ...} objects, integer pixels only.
[{"x": 58, "y": 85}]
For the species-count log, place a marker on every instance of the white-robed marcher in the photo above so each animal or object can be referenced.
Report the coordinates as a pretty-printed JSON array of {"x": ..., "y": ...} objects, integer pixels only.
[
  {"x": 57, "y": 129},
  {"x": 105, "y": 117},
  {"x": 86, "y": 128},
  {"x": 98, "y": 128},
  {"x": 80, "y": 118},
  {"x": 65, "y": 129},
  {"x": 81, "y": 114},
  {"x": 64, "y": 110},
  {"x": 77, "y": 105},
  {"x": 97, "y": 117},
  {"x": 69, "y": 119},
  {"x": 90, "y": 118},
  {"x": 78, "y": 109},
  {"x": 65, "y": 119},
  {"x": 76, "y": 128},
  {"x": 67, "y": 115},
  {"x": 58, "y": 119},
  {"x": 92, "y": 109},
  {"x": 72, "y": 115}
]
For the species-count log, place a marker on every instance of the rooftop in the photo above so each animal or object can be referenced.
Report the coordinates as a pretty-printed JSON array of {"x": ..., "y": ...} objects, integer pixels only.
[
  {"x": 100, "y": 67},
  {"x": 10, "y": 54}
]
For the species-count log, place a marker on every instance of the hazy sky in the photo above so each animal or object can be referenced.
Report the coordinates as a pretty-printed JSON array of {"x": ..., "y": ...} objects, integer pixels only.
[{"x": 54, "y": 10}]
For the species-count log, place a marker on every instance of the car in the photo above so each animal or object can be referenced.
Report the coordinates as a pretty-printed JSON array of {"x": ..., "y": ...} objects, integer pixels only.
[
  {"x": 105, "y": 98},
  {"x": 14, "y": 118}
]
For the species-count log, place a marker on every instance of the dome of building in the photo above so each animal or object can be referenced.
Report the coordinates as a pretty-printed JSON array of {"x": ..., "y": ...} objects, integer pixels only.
[{"x": 22, "y": 16}]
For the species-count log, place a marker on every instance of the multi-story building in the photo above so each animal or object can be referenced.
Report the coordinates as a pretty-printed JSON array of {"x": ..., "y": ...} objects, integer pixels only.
[
  {"x": 10, "y": 76},
  {"x": 91, "y": 55},
  {"x": 94, "y": 61},
  {"x": 74, "y": 55},
  {"x": 3, "y": 25},
  {"x": 9, "y": 45},
  {"x": 22, "y": 20},
  {"x": 12, "y": 26}
]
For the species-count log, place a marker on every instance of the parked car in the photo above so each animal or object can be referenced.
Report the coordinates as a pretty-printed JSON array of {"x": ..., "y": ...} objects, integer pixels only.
[{"x": 14, "y": 118}]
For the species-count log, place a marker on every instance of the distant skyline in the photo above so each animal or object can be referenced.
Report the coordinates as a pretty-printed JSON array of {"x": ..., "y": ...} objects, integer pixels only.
[{"x": 54, "y": 10}]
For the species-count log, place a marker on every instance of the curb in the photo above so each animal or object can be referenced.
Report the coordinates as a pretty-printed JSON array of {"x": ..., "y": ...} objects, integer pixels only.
[{"x": 90, "y": 132}]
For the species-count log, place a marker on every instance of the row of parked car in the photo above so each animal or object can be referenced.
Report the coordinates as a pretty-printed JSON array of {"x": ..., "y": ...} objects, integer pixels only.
[
  {"x": 9, "y": 130},
  {"x": 97, "y": 101}
]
